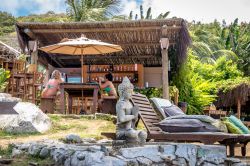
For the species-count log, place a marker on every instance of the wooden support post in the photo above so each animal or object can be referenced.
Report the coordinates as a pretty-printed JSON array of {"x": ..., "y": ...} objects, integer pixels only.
[
  {"x": 164, "y": 52},
  {"x": 238, "y": 108},
  {"x": 34, "y": 57}
]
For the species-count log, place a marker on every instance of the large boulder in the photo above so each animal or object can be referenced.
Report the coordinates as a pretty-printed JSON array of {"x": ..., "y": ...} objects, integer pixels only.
[
  {"x": 29, "y": 119},
  {"x": 5, "y": 97}
]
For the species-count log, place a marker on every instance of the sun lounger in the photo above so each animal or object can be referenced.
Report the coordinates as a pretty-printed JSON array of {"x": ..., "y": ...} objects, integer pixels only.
[{"x": 149, "y": 118}]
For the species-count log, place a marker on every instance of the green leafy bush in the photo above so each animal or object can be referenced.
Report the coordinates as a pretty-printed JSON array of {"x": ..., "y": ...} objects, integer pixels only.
[{"x": 4, "y": 75}]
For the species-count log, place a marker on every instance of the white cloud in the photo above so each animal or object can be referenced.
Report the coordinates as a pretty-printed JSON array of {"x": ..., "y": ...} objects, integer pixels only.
[
  {"x": 199, "y": 10},
  {"x": 16, "y": 7}
]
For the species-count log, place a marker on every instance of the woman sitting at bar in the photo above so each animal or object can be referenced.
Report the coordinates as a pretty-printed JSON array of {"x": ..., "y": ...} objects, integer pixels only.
[
  {"x": 52, "y": 87},
  {"x": 108, "y": 88}
]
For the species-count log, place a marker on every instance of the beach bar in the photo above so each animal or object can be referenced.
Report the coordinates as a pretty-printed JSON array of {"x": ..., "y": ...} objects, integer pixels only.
[{"x": 152, "y": 50}]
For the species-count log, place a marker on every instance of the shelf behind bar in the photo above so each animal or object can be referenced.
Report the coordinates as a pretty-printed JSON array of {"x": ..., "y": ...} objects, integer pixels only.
[{"x": 93, "y": 72}]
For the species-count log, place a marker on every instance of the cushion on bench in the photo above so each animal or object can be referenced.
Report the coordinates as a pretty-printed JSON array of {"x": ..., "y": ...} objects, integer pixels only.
[
  {"x": 159, "y": 103},
  {"x": 237, "y": 122},
  {"x": 172, "y": 111},
  {"x": 186, "y": 125},
  {"x": 232, "y": 128}
]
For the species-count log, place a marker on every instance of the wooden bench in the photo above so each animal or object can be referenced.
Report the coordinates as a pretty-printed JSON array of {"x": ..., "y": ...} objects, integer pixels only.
[{"x": 47, "y": 104}]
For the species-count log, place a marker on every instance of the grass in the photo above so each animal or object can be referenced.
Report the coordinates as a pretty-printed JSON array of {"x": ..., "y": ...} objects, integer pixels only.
[{"x": 85, "y": 125}]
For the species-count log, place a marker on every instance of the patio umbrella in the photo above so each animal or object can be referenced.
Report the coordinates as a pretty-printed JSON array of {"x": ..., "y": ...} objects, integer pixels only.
[{"x": 82, "y": 46}]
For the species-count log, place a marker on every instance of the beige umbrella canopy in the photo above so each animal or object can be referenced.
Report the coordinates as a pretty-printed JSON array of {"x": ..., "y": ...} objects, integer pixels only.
[{"x": 81, "y": 46}]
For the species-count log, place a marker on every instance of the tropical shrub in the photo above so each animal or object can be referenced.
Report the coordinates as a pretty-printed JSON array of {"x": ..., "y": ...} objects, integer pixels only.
[
  {"x": 4, "y": 75},
  {"x": 193, "y": 89},
  {"x": 157, "y": 92}
]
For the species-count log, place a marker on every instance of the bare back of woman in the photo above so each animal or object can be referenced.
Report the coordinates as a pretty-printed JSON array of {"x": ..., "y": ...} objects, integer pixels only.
[{"x": 52, "y": 87}]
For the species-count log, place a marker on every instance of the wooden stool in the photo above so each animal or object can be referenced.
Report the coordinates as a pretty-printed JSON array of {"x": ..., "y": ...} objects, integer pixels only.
[
  {"x": 109, "y": 106},
  {"x": 47, "y": 104}
]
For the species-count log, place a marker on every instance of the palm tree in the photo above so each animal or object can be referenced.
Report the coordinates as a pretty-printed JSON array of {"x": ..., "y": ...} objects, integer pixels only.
[
  {"x": 148, "y": 15},
  {"x": 92, "y": 10}
]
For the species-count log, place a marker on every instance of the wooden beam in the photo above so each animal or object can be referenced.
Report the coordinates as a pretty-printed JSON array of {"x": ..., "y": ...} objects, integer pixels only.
[
  {"x": 29, "y": 33},
  {"x": 63, "y": 57},
  {"x": 164, "y": 52},
  {"x": 57, "y": 61},
  {"x": 120, "y": 29},
  {"x": 238, "y": 108}
]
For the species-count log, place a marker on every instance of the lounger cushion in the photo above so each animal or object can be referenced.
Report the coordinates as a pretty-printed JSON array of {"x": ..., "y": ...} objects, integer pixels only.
[
  {"x": 159, "y": 103},
  {"x": 232, "y": 128},
  {"x": 186, "y": 125},
  {"x": 172, "y": 111},
  {"x": 237, "y": 122}
]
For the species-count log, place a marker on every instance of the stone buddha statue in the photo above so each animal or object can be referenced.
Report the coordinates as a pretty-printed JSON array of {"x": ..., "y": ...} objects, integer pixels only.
[{"x": 127, "y": 115}]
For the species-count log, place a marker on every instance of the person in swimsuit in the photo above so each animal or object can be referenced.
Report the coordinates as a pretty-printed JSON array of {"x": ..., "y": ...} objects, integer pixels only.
[
  {"x": 108, "y": 88},
  {"x": 52, "y": 87}
]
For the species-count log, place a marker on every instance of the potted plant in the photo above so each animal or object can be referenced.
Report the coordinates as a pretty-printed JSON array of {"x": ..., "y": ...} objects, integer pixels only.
[{"x": 4, "y": 75}]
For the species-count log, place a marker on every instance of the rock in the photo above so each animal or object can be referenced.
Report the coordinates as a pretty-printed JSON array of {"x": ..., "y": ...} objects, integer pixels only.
[
  {"x": 16, "y": 152},
  {"x": 94, "y": 158},
  {"x": 214, "y": 154},
  {"x": 35, "y": 149},
  {"x": 89, "y": 140},
  {"x": 24, "y": 146},
  {"x": 60, "y": 155},
  {"x": 188, "y": 152},
  {"x": 168, "y": 158},
  {"x": 155, "y": 155},
  {"x": 168, "y": 149},
  {"x": 29, "y": 119},
  {"x": 232, "y": 160},
  {"x": 73, "y": 138},
  {"x": 180, "y": 162},
  {"x": 132, "y": 162},
  {"x": 74, "y": 159},
  {"x": 144, "y": 161},
  {"x": 240, "y": 164},
  {"x": 5, "y": 97},
  {"x": 44, "y": 153},
  {"x": 208, "y": 164},
  {"x": 113, "y": 161},
  {"x": 150, "y": 152},
  {"x": 104, "y": 141},
  {"x": 94, "y": 148}
]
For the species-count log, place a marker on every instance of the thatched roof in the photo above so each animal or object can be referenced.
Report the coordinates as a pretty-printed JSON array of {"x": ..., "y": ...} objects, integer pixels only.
[
  {"x": 139, "y": 40},
  {"x": 230, "y": 97},
  {"x": 8, "y": 52}
]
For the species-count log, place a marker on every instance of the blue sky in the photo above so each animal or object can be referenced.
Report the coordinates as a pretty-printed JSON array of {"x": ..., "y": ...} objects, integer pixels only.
[{"x": 199, "y": 10}]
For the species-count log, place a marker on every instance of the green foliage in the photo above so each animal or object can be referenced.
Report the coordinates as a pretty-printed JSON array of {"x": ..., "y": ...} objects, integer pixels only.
[
  {"x": 6, "y": 151},
  {"x": 221, "y": 39},
  {"x": 7, "y": 22},
  {"x": 47, "y": 17},
  {"x": 157, "y": 92},
  {"x": 92, "y": 10},
  {"x": 229, "y": 84},
  {"x": 150, "y": 92},
  {"x": 207, "y": 67},
  {"x": 193, "y": 89},
  {"x": 4, "y": 75},
  {"x": 148, "y": 15}
]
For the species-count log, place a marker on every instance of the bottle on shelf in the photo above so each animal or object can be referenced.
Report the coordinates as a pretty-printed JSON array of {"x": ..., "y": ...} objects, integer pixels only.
[
  {"x": 135, "y": 67},
  {"x": 124, "y": 68}
]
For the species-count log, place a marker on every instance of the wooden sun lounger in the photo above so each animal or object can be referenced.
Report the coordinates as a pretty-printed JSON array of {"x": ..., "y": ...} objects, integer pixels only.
[{"x": 149, "y": 118}]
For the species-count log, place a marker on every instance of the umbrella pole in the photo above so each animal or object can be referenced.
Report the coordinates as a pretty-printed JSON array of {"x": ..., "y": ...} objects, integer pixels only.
[
  {"x": 82, "y": 75},
  {"x": 82, "y": 67}
]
